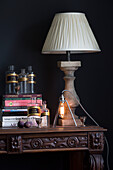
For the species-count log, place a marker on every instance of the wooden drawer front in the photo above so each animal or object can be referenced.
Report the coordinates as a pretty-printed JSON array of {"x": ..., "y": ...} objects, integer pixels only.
[{"x": 54, "y": 142}]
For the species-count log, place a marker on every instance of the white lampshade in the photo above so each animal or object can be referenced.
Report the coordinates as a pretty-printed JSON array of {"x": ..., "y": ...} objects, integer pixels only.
[{"x": 70, "y": 32}]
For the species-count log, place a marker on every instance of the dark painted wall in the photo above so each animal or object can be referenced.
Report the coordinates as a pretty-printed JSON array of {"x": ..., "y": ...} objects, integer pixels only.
[{"x": 23, "y": 28}]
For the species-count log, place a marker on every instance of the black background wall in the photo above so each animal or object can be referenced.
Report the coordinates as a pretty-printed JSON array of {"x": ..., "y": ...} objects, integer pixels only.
[{"x": 23, "y": 28}]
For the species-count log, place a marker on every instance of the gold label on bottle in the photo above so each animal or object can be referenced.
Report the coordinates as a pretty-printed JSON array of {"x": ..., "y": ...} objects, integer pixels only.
[
  {"x": 12, "y": 78},
  {"x": 23, "y": 79},
  {"x": 32, "y": 78},
  {"x": 34, "y": 111},
  {"x": 45, "y": 113},
  {"x": 31, "y": 75}
]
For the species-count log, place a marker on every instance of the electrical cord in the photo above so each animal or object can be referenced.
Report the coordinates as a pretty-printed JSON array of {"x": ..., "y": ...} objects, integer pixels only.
[
  {"x": 81, "y": 107},
  {"x": 71, "y": 113},
  {"x": 107, "y": 160},
  {"x": 93, "y": 121}
]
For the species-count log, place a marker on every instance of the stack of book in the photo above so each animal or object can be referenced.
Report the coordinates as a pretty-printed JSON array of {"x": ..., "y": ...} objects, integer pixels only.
[{"x": 14, "y": 108}]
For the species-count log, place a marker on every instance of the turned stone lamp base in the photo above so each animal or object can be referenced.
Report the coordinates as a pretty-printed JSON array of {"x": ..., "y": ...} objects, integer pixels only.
[{"x": 69, "y": 67}]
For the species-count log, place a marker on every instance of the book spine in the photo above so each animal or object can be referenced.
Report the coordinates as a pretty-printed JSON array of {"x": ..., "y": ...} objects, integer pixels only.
[
  {"x": 8, "y": 103},
  {"x": 21, "y": 98},
  {"x": 15, "y": 107},
  {"x": 23, "y": 95},
  {"x": 5, "y": 114},
  {"x": 14, "y": 110},
  {"x": 10, "y": 124},
  {"x": 13, "y": 118}
]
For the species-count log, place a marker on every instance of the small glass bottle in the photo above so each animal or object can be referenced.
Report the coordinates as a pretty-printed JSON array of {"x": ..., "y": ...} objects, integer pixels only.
[
  {"x": 45, "y": 115},
  {"x": 31, "y": 81},
  {"x": 11, "y": 80},
  {"x": 23, "y": 82},
  {"x": 33, "y": 108}
]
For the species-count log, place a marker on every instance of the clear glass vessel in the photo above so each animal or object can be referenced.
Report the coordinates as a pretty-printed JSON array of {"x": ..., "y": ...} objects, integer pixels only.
[
  {"x": 33, "y": 108},
  {"x": 31, "y": 81},
  {"x": 45, "y": 115},
  {"x": 23, "y": 82},
  {"x": 11, "y": 80}
]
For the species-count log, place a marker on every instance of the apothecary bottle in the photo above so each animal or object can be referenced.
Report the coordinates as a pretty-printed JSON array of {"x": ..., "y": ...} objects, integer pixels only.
[
  {"x": 31, "y": 81},
  {"x": 33, "y": 108},
  {"x": 23, "y": 82},
  {"x": 11, "y": 80},
  {"x": 45, "y": 115}
]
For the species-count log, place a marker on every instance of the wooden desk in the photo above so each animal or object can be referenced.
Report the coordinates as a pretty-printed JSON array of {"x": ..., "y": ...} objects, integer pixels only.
[{"x": 73, "y": 139}]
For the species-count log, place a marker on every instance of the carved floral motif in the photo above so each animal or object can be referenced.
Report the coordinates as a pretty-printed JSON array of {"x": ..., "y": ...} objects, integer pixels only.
[
  {"x": 73, "y": 142},
  {"x": 96, "y": 141},
  {"x": 15, "y": 144},
  {"x": 36, "y": 143},
  {"x": 55, "y": 142}
]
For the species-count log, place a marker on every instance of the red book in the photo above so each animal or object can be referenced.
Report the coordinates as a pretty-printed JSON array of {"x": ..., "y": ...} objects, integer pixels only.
[
  {"x": 10, "y": 103},
  {"x": 23, "y": 96}
]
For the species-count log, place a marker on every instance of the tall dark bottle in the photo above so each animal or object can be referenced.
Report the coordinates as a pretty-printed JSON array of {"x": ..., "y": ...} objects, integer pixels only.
[
  {"x": 31, "y": 81},
  {"x": 11, "y": 80},
  {"x": 23, "y": 82}
]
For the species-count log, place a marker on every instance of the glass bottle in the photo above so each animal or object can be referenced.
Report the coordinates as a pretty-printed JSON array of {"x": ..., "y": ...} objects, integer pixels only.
[
  {"x": 23, "y": 82},
  {"x": 11, "y": 80},
  {"x": 33, "y": 108},
  {"x": 45, "y": 115},
  {"x": 31, "y": 81}
]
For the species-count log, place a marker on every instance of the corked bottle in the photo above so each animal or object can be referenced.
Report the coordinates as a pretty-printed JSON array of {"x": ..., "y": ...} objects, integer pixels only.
[
  {"x": 45, "y": 115},
  {"x": 31, "y": 81},
  {"x": 11, "y": 80},
  {"x": 33, "y": 108},
  {"x": 23, "y": 82}
]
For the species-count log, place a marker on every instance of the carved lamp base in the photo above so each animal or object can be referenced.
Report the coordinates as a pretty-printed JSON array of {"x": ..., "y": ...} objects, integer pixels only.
[
  {"x": 69, "y": 122},
  {"x": 69, "y": 67}
]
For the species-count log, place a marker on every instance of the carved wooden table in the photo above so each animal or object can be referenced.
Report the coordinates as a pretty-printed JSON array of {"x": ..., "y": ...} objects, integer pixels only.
[{"x": 76, "y": 140}]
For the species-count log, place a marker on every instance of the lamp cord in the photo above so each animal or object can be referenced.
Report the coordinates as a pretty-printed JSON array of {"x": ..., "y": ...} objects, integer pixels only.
[
  {"x": 107, "y": 144},
  {"x": 81, "y": 107},
  {"x": 71, "y": 113}
]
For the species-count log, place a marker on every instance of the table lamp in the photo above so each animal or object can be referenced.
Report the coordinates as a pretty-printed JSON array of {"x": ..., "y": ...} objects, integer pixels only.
[{"x": 70, "y": 33}]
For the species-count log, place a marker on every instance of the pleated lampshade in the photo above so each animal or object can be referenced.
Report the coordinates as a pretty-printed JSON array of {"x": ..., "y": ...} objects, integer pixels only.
[{"x": 70, "y": 32}]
